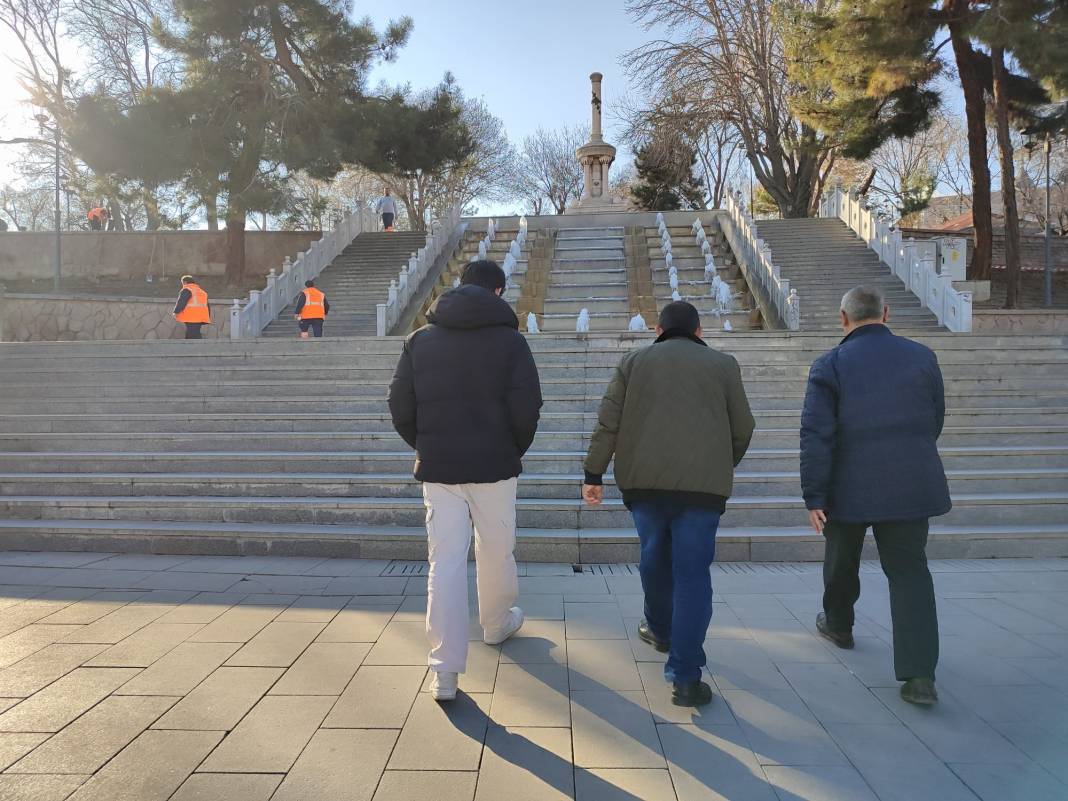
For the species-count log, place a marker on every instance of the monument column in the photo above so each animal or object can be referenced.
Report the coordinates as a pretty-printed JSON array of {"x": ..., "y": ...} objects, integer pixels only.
[{"x": 596, "y": 157}]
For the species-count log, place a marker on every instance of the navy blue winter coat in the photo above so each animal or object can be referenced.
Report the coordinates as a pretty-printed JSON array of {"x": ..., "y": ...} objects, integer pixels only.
[{"x": 873, "y": 413}]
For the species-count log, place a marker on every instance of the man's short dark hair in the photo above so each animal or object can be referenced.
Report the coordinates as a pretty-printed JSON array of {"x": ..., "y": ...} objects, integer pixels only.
[
  {"x": 863, "y": 303},
  {"x": 486, "y": 274},
  {"x": 309, "y": 283},
  {"x": 680, "y": 316}
]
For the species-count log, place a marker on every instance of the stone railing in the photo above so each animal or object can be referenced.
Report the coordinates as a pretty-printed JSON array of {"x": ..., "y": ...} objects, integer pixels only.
[
  {"x": 403, "y": 288},
  {"x": 741, "y": 234},
  {"x": 911, "y": 260},
  {"x": 248, "y": 318}
]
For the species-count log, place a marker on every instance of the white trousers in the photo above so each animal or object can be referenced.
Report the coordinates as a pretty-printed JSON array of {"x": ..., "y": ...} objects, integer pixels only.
[{"x": 451, "y": 509}]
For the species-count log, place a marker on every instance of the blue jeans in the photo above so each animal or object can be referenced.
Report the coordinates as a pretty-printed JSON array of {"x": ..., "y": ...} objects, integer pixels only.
[{"x": 678, "y": 546}]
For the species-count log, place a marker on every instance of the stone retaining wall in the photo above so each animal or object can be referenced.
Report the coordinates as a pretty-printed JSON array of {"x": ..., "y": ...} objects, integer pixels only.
[
  {"x": 64, "y": 318},
  {"x": 1031, "y": 321}
]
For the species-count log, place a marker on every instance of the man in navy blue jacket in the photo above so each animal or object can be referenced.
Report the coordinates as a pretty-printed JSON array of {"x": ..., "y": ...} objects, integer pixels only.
[{"x": 873, "y": 413}]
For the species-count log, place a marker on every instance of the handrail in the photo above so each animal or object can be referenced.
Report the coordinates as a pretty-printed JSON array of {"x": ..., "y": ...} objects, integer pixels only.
[
  {"x": 248, "y": 318},
  {"x": 403, "y": 288},
  {"x": 910, "y": 260},
  {"x": 741, "y": 234}
]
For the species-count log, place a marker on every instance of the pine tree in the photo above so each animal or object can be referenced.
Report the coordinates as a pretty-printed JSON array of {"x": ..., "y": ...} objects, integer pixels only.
[{"x": 666, "y": 182}]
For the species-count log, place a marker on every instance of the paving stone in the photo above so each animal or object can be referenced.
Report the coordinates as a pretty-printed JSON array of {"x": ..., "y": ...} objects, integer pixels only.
[
  {"x": 526, "y": 764},
  {"x": 29, "y": 675},
  {"x": 14, "y": 746},
  {"x": 608, "y": 784},
  {"x": 221, "y": 700},
  {"x": 757, "y": 607},
  {"x": 151, "y": 768},
  {"x": 94, "y": 738},
  {"x": 593, "y": 621},
  {"x": 539, "y": 606},
  {"x": 31, "y": 639},
  {"x": 742, "y": 665},
  {"x": 227, "y": 787},
  {"x": 585, "y": 584},
  {"x": 141, "y": 561},
  {"x": 400, "y": 644},
  {"x": 340, "y": 765},
  {"x": 92, "y": 609},
  {"x": 834, "y": 695},
  {"x": 426, "y": 785},
  {"x": 896, "y": 765},
  {"x": 643, "y": 652},
  {"x": 179, "y": 671},
  {"x": 325, "y": 668},
  {"x": 538, "y": 641},
  {"x": 713, "y": 764},
  {"x": 204, "y": 607},
  {"x": 658, "y": 694},
  {"x": 277, "y": 645},
  {"x": 1010, "y": 617},
  {"x": 200, "y": 582},
  {"x": 822, "y": 782},
  {"x": 871, "y": 661},
  {"x": 788, "y": 641},
  {"x": 237, "y": 624},
  {"x": 49, "y": 602},
  {"x": 442, "y": 736},
  {"x": 1000, "y": 782},
  {"x": 38, "y": 788},
  {"x": 271, "y": 736},
  {"x": 120, "y": 624},
  {"x": 1045, "y": 747},
  {"x": 313, "y": 609},
  {"x": 378, "y": 697},
  {"x": 602, "y": 665},
  {"x": 531, "y": 695},
  {"x": 614, "y": 730},
  {"x": 359, "y": 624},
  {"x": 144, "y": 647},
  {"x": 781, "y": 730},
  {"x": 348, "y": 567},
  {"x": 7, "y": 703},
  {"x": 249, "y": 565},
  {"x": 481, "y": 674},
  {"x": 366, "y": 585},
  {"x": 64, "y": 700}
]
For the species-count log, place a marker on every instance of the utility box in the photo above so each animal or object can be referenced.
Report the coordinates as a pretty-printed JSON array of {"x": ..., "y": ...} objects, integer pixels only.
[
  {"x": 925, "y": 250},
  {"x": 953, "y": 257}
]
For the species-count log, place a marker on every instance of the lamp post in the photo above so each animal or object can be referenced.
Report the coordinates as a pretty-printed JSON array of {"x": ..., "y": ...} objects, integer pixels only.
[
  {"x": 57, "y": 258},
  {"x": 1049, "y": 229}
]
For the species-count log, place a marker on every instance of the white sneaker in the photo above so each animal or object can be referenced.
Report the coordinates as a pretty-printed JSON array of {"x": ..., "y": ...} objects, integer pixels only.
[
  {"x": 515, "y": 625},
  {"x": 443, "y": 686}
]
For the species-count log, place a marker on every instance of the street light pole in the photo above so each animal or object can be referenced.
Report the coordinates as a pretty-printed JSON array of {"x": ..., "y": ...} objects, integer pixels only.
[
  {"x": 57, "y": 267},
  {"x": 1049, "y": 230}
]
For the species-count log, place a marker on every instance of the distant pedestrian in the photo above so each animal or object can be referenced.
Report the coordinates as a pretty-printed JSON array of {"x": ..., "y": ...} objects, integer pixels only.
[
  {"x": 387, "y": 207},
  {"x": 192, "y": 308},
  {"x": 677, "y": 419},
  {"x": 99, "y": 217},
  {"x": 466, "y": 397},
  {"x": 311, "y": 310},
  {"x": 869, "y": 458}
]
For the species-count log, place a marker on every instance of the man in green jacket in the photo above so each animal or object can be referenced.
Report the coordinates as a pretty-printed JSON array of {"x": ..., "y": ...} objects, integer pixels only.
[{"x": 678, "y": 421}]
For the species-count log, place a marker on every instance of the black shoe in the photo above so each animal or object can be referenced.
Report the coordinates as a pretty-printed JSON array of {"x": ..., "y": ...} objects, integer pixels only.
[
  {"x": 920, "y": 691},
  {"x": 695, "y": 693},
  {"x": 645, "y": 634},
  {"x": 843, "y": 639}
]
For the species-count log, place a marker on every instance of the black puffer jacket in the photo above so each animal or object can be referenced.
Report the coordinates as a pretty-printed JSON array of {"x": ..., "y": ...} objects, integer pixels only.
[{"x": 466, "y": 393}]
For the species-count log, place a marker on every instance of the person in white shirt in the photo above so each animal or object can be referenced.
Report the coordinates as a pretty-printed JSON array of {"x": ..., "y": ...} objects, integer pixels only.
[{"x": 387, "y": 207}]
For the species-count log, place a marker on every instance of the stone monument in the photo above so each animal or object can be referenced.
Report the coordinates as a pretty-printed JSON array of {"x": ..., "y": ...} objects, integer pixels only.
[{"x": 596, "y": 156}]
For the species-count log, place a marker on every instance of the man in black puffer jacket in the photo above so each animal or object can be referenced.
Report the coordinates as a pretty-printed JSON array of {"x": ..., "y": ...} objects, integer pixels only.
[{"x": 466, "y": 396}]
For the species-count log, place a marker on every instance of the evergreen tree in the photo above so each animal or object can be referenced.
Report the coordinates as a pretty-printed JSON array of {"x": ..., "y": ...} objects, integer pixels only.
[{"x": 666, "y": 182}]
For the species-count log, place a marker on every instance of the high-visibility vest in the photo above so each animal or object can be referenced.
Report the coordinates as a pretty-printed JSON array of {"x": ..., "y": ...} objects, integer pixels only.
[
  {"x": 314, "y": 307},
  {"x": 98, "y": 214},
  {"x": 196, "y": 310}
]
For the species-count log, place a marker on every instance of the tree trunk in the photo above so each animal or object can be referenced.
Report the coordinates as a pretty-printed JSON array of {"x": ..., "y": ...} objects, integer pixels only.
[
  {"x": 1008, "y": 181},
  {"x": 152, "y": 216},
  {"x": 211, "y": 210},
  {"x": 235, "y": 249},
  {"x": 975, "y": 112}
]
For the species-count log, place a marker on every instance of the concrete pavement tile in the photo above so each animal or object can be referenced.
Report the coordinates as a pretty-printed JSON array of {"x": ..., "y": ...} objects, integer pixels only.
[
  {"x": 531, "y": 695},
  {"x": 1051, "y": 672},
  {"x": 781, "y": 730},
  {"x": 756, "y": 607},
  {"x": 359, "y": 624},
  {"x": 38, "y": 788},
  {"x": 31, "y": 639},
  {"x": 51, "y": 558},
  {"x": 957, "y": 656},
  {"x": 38, "y": 670},
  {"x": 624, "y": 584},
  {"x": 7, "y": 703},
  {"x": 50, "y": 601},
  {"x": 348, "y": 567},
  {"x": 204, "y": 607},
  {"x": 14, "y": 746},
  {"x": 585, "y": 584},
  {"x": 818, "y": 783},
  {"x": 366, "y": 585},
  {"x": 658, "y": 693},
  {"x": 990, "y": 638},
  {"x": 179, "y": 671},
  {"x": 325, "y": 668},
  {"x": 200, "y": 582},
  {"x": 614, "y": 730},
  {"x": 833, "y": 694},
  {"x": 631, "y": 605},
  {"x": 643, "y": 652},
  {"x": 120, "y": 624},
  {"x": 292, "y": 585},
  {"x": 526, "y": 764},
  {"x": 545, "y": 569},
  {"x": 238, "y": 624},
  {"x": 141, "y": 561},
  {"x": 314, "y": 609},
  {"x": 742, "y": 665},
  {"x": 271, "y": 736},
  {"x": 227, "y": 787},
  {"x": 378, "y": 697},
  {"x": 713, "y": 764},
  {"x": 277, "y": 645},
  {"x": 150, "y": 768},
  {"x": 481, "y": 675},
  {"x": 64, "y": 700},
  {"x": 1035, "y": 703},
  {"x": 537, "y": 641},
  {"x": 1010, "y": 617},
  {"x": 400, "y": 644},
  {"x": 426, "y": 785},
  {"x": 896, "y": 764},
  {"x": 249, "y": 565},
  {"x": 602, "y": 665},
  {"x": 92, "y": 609},
  {"x": 221, "y": 700},
  {"x": 611, "y": 784},
  {"x": 726, "y": 624},
  {"x": 540, "y": 606},
  {"x": 91, "y": 577},
  {"x": 144, "y": 647},
  {"x": 94, "y": 738},
  {"x": 1043, "y": 746},
  {"x": 340, "y": 765},
  {"x": 593, "y": 621},
  {"x": 789, "y": 641},
  {"x": 871, "y": 661},
  {"x": 442, "y": 736},
  {"x": 1027, "y": 782}
]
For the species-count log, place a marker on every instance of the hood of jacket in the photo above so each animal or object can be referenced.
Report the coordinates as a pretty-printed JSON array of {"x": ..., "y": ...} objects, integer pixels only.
[{"x": 470, "y": 307}]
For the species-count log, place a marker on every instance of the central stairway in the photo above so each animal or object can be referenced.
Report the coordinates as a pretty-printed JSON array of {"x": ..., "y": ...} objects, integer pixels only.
[{"x": 589, "y": 271}]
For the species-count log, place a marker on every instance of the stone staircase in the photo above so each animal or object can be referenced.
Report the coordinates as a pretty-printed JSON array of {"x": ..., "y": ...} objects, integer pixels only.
[
  {"x": 589, "y": 271},
  {"x": 823, "y": 260},
  {"x": 224, "y": 447},
  {"x": 356, "y": 282}
]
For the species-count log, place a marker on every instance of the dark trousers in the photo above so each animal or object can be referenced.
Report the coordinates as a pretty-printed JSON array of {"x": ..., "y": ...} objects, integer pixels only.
[
  {"x": 192, "y": 331},
  {"x": 316, "y": 327},
  {"x": 387, "y": 220},
  {"x": 678, "y": 545},
  {"x": 912, "y": 601}
]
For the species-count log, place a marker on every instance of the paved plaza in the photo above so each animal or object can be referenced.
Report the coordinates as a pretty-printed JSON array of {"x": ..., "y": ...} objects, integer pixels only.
[{"x": 146, "y": 678}]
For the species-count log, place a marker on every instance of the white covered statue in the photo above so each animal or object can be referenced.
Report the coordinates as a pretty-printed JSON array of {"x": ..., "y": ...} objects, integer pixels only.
[
  {"x": 727, "y": 325},
  {"x": 532, "y": 324},
  {"x": 724, "y": 296},
  {"x": 673, "y": 279},
  {"x": 482, "y": 250},
  {"x": 514, "y": 249},
  {"x": 675, "y": 296},
  {"x": 637, "y": 323},
  {"x": 710, "y": 265},
  {"x": 582, "y": 324}
]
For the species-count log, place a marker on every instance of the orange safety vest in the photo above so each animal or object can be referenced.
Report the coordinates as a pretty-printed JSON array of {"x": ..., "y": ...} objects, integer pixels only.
[
  {"x": 314, "y": 307},
  {"x": 98, "y": 214},
  {"x": 196, "y": 310}
]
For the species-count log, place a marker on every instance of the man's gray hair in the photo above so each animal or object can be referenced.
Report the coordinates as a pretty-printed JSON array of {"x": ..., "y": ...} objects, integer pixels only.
[{"x": 863, "y": 303}]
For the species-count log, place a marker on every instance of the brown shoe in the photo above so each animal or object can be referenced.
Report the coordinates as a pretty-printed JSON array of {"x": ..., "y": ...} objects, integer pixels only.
[
  {"x": 921, "y": 692},
  {"x": 843, "y": 639}
]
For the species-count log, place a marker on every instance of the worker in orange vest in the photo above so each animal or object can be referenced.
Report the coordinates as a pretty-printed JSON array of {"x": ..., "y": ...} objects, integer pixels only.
[
  {"x": 312, "y": 308},
  {"x": 192, "y": 308},
  {"x": 98, "y": 218}
]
